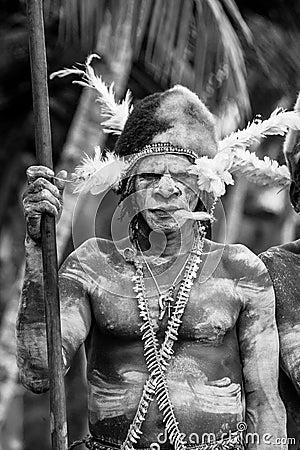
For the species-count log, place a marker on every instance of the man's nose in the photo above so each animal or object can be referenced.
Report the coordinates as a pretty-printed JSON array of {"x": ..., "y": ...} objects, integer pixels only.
[{"x": 167, "y": 187}]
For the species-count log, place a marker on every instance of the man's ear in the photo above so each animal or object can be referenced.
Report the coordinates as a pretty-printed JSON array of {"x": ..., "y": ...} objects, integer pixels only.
[{"x": 291, "y": 151}]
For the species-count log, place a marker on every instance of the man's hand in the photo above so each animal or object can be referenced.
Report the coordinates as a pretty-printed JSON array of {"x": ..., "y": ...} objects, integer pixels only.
[{"x": 41, "y": 196}]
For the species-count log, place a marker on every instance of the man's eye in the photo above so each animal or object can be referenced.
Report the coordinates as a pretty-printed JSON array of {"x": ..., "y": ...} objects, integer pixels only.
[
  {"x": 183, "y": 177},
  {"x": 149, "y": 177},
  {"x": 180, "y": 175}
]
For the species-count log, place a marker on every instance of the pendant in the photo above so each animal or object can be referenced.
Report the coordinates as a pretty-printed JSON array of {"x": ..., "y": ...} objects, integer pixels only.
[
  {"x": 129, "y": 254},
  {"x": 164, "y": 303}
]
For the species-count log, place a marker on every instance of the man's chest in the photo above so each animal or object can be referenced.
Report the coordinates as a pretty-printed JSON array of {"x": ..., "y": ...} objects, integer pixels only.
[{"x": 211, "y": 310}]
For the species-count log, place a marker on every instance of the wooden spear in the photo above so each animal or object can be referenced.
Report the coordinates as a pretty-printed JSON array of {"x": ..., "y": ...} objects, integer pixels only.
[{"x": 58, "y": 423}]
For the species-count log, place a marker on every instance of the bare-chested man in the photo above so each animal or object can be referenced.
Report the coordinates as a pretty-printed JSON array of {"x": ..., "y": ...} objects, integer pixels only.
[{"x": 221, "y": 370}]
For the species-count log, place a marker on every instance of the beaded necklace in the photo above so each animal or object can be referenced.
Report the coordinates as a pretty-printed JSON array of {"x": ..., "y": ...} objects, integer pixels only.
[{"x": 157, "y": 358}]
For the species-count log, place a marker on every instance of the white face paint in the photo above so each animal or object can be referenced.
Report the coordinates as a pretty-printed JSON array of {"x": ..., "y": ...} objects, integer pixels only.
[{"x": 163, "y": 188}]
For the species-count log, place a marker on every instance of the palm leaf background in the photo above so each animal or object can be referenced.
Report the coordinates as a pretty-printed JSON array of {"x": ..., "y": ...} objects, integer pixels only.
[{"x": 192, "y": 42}]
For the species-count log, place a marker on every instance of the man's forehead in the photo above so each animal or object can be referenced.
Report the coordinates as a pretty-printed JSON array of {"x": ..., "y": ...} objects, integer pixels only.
[{"x": 162, "y": 162}]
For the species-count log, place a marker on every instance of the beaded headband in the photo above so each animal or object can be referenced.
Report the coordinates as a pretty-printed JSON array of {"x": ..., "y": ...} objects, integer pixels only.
[{"x": 158, "y": 148}]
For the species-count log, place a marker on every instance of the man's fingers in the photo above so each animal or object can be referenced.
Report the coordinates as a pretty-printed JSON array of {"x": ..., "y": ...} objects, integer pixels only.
[
  {"x": 40, "y": 177},
  {"x": 33, "y": 227},
  {"x": 60, "y": 180},
  {"x": 40, "y": 184},
  {"x": 34, "y": 172},
  {"x": 44, "y": 194},
  {"x": 44, "y": 206}
]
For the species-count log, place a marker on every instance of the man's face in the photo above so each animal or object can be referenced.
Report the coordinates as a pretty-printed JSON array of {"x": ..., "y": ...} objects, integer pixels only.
[{"x": 164, "y": 187}]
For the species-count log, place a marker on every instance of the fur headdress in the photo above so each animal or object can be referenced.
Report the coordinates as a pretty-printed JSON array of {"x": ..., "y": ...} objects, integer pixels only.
[{"x": 177, "y": 121}]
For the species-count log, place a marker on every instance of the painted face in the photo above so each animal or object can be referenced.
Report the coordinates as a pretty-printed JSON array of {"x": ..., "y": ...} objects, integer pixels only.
[{"x": 163, "y": 188}]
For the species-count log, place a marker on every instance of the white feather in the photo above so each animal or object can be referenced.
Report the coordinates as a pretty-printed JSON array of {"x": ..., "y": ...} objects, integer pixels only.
[
  {"x": 98, "y": 174},
  {"x": 265, "y": 172},
  {"x": 279, "y": 122},
  {"x": 115, "y": 113}
]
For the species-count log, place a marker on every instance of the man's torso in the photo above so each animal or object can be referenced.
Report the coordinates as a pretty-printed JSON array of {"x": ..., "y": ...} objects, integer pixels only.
[{"x": 204, "y": 376}]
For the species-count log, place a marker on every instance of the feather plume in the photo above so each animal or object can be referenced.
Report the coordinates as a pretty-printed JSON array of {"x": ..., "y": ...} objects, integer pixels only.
[
  {"x": 279, "y": 122},
  {"x": 115, "y": 113},
  {"x": 99, "y": 173},
  {"x": 265, "y": 172}
]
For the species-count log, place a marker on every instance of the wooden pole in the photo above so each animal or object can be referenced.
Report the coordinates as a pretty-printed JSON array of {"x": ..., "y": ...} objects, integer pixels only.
[{"x": 58, "y": 423}]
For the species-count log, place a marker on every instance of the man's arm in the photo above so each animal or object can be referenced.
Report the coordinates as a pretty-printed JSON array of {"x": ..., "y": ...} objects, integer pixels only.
[
  {"x": 31, "y": 329},
  {"x": 43, "y": 196},
  {"x": 283, "y": 264},
  {"x": 259, "y": 349}
]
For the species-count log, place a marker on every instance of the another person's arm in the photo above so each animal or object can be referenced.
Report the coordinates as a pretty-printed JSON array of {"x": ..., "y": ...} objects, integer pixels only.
[
  {"x": 259, "y": 349},
  {"x": 283, "y": 264}
]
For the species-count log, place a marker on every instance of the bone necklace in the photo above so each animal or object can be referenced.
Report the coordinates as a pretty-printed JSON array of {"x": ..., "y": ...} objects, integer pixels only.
[{"x": 157, "y": 358}]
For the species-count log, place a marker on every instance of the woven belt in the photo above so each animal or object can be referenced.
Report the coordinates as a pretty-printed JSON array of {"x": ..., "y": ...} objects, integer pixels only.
[{"x": 233, "y": 442}]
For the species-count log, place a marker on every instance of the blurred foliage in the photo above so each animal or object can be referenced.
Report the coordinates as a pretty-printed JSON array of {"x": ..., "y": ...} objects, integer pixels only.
[{"x": 187, "y": 41}]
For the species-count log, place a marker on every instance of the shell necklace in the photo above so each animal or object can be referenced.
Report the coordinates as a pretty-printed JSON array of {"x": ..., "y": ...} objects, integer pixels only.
[{"x": 157, "y": 357}]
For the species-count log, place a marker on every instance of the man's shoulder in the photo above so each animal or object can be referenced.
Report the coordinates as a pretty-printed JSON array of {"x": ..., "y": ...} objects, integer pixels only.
[
  {"x": 100, "y": 249},
  {"x": 284, "y": 251},
  {"x": 96, "y": 264},
  {"x": 95, "y": 257},
  {"x": 238, "y": 260},
  {"x": 283, "y": 263},
  {"x": 248, "y": 270}
]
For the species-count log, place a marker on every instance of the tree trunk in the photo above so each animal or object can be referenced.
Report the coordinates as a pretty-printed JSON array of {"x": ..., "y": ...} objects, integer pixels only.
[{"x": 235, "y": 210}]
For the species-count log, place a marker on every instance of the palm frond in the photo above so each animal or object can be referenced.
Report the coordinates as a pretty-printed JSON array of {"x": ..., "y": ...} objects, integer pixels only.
[
  {"x": 232, "y": 8},
  {"x": 191, "y": 42},
  {"x": 276, "y": 56},
  {"x": 230, "y": 61}
]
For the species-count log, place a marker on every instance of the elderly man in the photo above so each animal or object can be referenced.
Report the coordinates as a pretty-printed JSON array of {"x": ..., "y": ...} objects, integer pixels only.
[{"x": 180, "y": 334}]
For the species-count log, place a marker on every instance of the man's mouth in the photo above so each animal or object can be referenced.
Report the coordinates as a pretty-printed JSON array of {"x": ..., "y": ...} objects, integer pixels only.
[
  {"x": 162, "y": 212},
  {"x": 177, "y": 213},
  {"x": 166, "y": 209}
]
